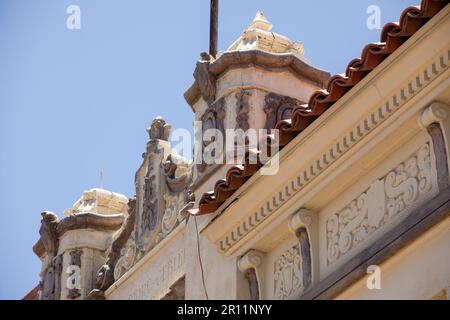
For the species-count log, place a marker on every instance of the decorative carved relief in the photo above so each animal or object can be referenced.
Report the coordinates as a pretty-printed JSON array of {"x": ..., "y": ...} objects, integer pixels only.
[
  {"x": 159, "y": 129},
  {"x": 75, "y": 260},
  {"x": 51, "y": 281},
  {"x": 105, "y": 275},
  {"x": 47, "y": 247},
  {"x": 127, "y": 259},
  {"x": 162, "y": 191},
  {"x": 287, "y": 274},
  {"x": 205, "y": 80},
  {"x": 213, "y": 118},
  {"x": 150, "y": 202},
  {"x": 242, "y": 109},
  {"x": 173, "y": 204},
  {"x": 178, "y": 173},
  {"x": 385, "y": 199},
  {"x": 48, "y": 233},
  {"x": 304, "y": 226},
  {"x": 278, "y": 108}
]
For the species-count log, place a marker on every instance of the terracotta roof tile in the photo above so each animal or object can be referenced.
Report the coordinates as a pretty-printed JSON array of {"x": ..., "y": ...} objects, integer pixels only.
[
  {"x": 33, "y": 294},
  {"x": 393, "y": 36}
]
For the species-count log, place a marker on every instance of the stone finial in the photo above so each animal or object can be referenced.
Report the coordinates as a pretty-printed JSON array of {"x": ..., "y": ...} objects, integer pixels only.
[
  {"x": 159, "y": 129},
  {"x": 260, "y": 22},
  {"x": 99, "y": 201},
  {"x": 258, "y": 36}
]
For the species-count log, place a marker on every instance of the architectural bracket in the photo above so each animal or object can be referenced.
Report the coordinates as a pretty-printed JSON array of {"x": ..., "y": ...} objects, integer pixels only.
[
  {"x": 250, "y": 265},
  {"x": 435, "y": 120},
  {"x": 304, "y": 225}
]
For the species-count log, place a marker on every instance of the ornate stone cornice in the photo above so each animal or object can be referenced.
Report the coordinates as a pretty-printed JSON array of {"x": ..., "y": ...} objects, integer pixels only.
[
  {"x": 288, "y": 61},
  {"x": 88, "y": 220}
]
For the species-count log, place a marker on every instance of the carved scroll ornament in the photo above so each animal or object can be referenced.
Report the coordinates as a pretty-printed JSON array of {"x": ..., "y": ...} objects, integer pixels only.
[
  {"x": 277, "y": 108},
  {"x": 242, "y": 109},
  {"x": 249, "y": 265},
  {"x": 385, "y": 199}
]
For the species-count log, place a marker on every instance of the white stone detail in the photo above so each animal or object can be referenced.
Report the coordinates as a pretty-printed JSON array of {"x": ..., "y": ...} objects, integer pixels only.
[
  {"x": 386, "y": 198},
  {"x": 173, "y": 204},
  {"x": 258, "y": 36},
  {"x": 436, "y": 112},
  {"x": 99, "y": 201},
  {"x": 251, "y": 260},
  {"x": 127, "y": 259},
  {"x": 287, "y": 274}
]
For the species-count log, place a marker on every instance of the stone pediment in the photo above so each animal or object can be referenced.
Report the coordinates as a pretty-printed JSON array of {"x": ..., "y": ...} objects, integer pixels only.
[{"x": 162, "y": 183}]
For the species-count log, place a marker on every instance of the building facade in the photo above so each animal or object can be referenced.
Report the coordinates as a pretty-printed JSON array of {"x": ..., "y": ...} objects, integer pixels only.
[{"x": 357, "y": 207}]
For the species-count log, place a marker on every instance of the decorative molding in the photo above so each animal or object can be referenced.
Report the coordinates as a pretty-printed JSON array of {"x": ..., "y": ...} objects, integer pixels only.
[
  {"x": 242, "y": 109},
  {"x": 288, "y": 280},
  {"x": 145, "y": 260},
  {"x": 250, "y": 265},
  {"x": 436, "y": 112},
  {"x": 434, "y": 119},
  {"x": 428, "y": 215},
  {"x": 393, "y": 195},
  {"x": 251, "y": 260},
  {"x": 277, "y": 108},
  {"x": 336, "y": 151},
  {"x": 255, "y": 58},
  {"x": 302, "y": 219},
  {"x": 88, "y": 220},
  {"x": 128, "y": 257},
  {"x": 51, "y": 280},
  {"x": 98, "y": 201},
  {"x": 205, "y": 80},
  {"x": 304, "y": 226},
  {"x": 173, "y": 204}
]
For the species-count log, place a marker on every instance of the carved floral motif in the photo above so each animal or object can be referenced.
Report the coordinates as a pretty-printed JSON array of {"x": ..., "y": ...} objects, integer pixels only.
[
  {"x": 173, "y": 204},
  {"x": 287, "y": 274},
  {"x": 278, "y": 107},
  {"x": 385, "y": 199},
  {"x": 242, "y": 109}
]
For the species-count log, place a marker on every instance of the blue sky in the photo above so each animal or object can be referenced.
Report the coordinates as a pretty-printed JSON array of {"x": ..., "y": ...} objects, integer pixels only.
[{"x": 74, "y": 102}]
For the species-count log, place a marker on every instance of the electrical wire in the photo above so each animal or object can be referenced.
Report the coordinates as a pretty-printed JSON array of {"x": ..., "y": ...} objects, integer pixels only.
[{"x": 200, "y": 258}]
